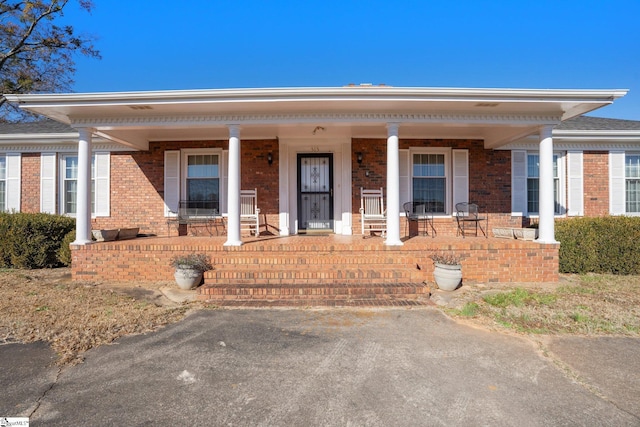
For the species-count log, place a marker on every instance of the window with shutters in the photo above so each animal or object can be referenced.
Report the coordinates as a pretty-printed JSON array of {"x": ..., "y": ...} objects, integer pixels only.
[
  {"x": 3, "y": 183},
  {"x": 533, "y": 184},
  {"x": 68, "y": 184},
  {"x": 202, "y": 178},
  {"x": 430, "y": 179},
  {"x": 69, "y": 190},
  {"x": 632, "y": 183}
]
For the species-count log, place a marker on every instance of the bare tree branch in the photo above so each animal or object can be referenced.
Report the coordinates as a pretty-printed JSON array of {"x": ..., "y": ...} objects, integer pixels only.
[{"x": 35, "y": 54}]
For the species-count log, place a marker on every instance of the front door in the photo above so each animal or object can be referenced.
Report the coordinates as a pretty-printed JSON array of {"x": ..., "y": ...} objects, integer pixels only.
[{"x": 315, "y": 193}]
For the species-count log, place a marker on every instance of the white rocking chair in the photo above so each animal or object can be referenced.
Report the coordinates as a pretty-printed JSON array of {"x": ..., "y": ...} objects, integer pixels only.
[
  {"x": 249, "y": 212},
  {"x": 373, "y": 216}
]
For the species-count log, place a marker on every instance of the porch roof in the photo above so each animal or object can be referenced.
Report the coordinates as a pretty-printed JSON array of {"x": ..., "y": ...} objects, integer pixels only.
[{"x": 497, "y": 116}]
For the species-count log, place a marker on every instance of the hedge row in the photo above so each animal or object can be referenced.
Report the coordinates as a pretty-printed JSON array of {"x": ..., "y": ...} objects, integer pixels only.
[
  {"x": 599, "y": 245},
  {"x": 29, "y": 240}
]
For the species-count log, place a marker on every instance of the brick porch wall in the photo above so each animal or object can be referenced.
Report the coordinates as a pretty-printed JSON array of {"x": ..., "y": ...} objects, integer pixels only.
[{"x": 484, "y": 260}]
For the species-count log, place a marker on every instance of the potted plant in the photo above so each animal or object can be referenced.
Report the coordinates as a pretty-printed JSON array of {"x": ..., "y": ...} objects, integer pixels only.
[
  {"x": 447, "y": 271},
  {"x": 189, "y": 269}
]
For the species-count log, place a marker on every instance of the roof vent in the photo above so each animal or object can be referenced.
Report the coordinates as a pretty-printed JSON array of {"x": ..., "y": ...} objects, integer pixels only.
[
  {"x": 140, "y": 107},
  {"x": 487, "y": 104},
  {"x": 367, "y": 85}
]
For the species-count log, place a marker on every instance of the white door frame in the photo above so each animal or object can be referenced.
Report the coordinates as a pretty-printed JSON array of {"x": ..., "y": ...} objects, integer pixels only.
[{"x": 289, "y": 148}]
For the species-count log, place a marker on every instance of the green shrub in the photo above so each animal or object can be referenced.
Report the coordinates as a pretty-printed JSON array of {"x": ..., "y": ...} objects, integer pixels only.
[
  {"x": 32, "y": 240},
  {"x": 599, "y": 245},
  {"x": 5, "y": 259},
  {"x": 64, "y": 253}
]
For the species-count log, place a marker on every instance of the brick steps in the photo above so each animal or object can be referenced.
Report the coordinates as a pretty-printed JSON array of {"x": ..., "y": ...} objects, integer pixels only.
[
  {"x": 324, "y": 302},
  {"x": 310, "y": 271},
  {"x": 312, "y": 293},
  {"x": 279, "y": 276},
  {"x": 313, "y": 275},
  {"x": 242, "y": 260}
]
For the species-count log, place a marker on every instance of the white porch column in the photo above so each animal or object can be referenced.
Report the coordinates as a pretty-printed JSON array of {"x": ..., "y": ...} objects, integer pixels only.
[
  {"x": 83, "y": 197},
  {"x": 547, "y": 209},
  {"x": 233, "y": 191},
  {"x": 393, "y": 186}
]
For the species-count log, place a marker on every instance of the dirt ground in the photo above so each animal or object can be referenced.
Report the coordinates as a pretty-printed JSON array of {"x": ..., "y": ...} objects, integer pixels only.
[
  {"x": 73, "y": 317},
  {"x": 46, "y": 305}
]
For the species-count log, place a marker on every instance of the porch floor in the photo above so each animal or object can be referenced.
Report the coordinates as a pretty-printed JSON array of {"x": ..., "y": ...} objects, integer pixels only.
[{"x": 317, "y": 270}]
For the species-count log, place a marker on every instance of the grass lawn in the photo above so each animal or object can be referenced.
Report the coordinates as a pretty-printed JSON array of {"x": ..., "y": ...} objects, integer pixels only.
[{"x": 593, "y": 304}]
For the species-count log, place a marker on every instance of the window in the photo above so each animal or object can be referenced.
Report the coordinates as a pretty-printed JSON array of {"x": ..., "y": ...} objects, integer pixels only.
[
  {"x": 632, "y": 183},
  {"x": 70, "y": 185},
  {"x": 430, "y": 181},
  {"x": 203, "y": 181},
  {"x": 533, "y": 184},
  {"x": 3, "y": 183},
  {"x": 196, "y": 176}
]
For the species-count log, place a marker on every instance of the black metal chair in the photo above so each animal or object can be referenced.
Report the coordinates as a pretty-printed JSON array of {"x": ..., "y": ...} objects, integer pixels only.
[
  {"x": 468, "y": 217},
  {"x": 418, "y": 212}
]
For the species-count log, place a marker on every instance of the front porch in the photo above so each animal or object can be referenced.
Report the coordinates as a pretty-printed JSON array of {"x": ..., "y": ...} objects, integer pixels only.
[{"x": 316, "y": 267}]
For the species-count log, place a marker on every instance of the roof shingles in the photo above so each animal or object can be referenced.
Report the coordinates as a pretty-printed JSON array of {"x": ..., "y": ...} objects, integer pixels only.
[
  {"x": 598, "y": 123},
  {"x": 38, "y": 127}
]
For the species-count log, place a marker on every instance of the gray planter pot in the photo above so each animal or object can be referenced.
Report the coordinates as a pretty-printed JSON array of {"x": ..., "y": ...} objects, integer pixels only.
[
  {"x": 187, "y": 278},
  {"x": 104, "y": 235},
  {"x": 447, "y": 277},
  {"x": 128, "y": 233}
]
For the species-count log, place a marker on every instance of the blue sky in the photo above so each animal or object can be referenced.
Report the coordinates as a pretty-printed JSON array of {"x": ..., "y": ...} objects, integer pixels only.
[{"x": 158, "y": 45}]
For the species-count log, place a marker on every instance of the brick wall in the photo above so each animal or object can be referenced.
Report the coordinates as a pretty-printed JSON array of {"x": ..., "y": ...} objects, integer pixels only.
[
  {"x": 489, "y": 177},
  {"x": 137, "y": 184},
  {"x": 257, "y": 173},
  {"x": 596, "y": 183},
  {"x": 30, "y": 182}
]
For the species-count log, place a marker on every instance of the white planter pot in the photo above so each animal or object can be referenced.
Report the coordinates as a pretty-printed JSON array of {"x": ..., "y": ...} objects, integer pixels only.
[
  {"x": 525, "y": 233},
  {"x": 447, "y": 277},
  {"x": 187, "y": 278},
  {"x": 503, "y": 232}
]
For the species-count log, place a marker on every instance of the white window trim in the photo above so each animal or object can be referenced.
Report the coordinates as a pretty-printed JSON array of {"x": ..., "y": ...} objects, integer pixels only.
[
  {"x": 575, "y": 183},
  {"x": 617, "y": 177},
  {"x": 48, "y": 182},
  {"x": 222, "y": 172},
  {"x": 61, "y": 180},
  {"x": 13, "y": 181},
  {"x": 448, "y": 174},
  {"x": 6, "y": 193},
  {"x": 624, "y": 188},
  {"x": 562, "y": 191},
  {"x": 105, "y": 186},
  {"x": 171, "y": 173}
]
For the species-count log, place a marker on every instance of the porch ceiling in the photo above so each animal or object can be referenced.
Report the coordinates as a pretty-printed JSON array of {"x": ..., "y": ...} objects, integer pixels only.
[{"x": 497, "y": 116}]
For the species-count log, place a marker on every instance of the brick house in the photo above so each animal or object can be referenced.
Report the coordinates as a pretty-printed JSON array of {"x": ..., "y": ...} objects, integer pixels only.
[{"x": 117, "y": 160}]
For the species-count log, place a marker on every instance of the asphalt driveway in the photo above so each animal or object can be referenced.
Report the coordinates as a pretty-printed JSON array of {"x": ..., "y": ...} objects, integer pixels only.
[{"x": 369, "y": 367}]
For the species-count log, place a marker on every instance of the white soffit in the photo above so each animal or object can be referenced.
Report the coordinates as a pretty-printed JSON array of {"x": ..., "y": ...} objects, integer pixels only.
[{"x": 498, "y": 116}]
